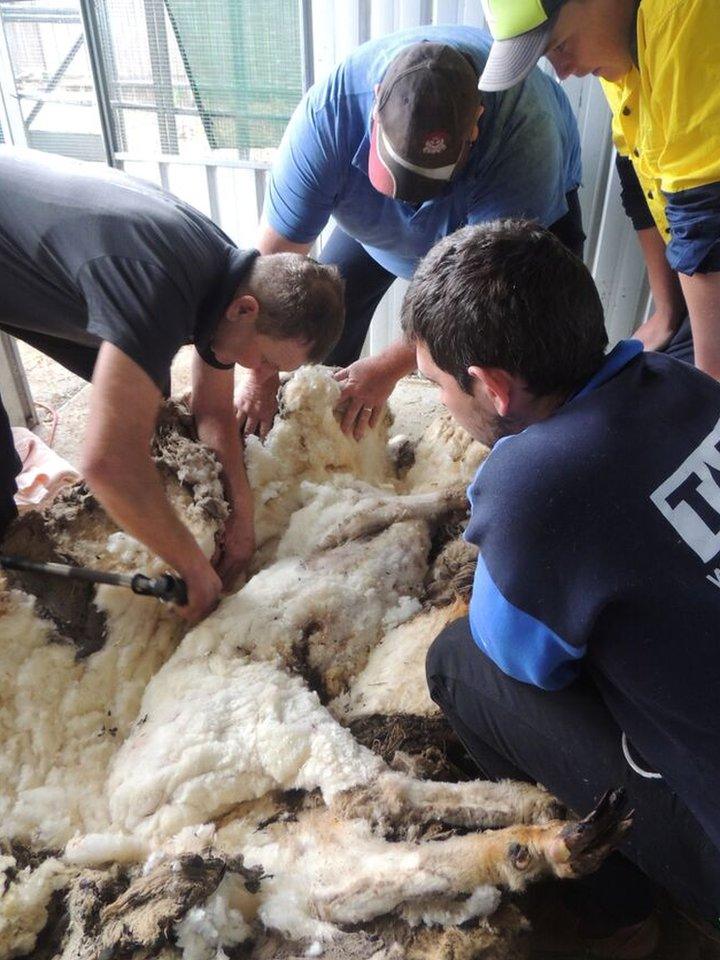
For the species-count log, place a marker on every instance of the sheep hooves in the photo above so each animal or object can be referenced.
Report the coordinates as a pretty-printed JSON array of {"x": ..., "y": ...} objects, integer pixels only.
[
  {"x": 585, "y": 844},
  {"x": 516, "y": 855},
  {"x": 570, "y": 850}
]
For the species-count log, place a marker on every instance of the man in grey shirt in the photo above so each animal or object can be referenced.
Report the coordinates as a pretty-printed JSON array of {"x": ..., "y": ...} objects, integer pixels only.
[{"x": 110, "y": 276}]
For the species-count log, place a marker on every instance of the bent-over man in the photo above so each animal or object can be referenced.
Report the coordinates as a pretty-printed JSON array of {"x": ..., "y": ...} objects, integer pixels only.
[
  {"x": 659, "y": 65},
  {"x": 110, "y": 276},
  {"x": 398, "y": 146}
]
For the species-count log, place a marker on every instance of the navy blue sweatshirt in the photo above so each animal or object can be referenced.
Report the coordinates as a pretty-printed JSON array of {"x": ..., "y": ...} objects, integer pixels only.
[{"x": 599, "y": 532}]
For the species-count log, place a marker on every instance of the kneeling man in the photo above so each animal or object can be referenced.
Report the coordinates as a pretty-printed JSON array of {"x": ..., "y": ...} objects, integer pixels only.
[{"x": 590, "y": 657}]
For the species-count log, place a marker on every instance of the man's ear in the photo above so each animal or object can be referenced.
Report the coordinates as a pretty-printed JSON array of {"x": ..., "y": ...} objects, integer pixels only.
[
  {"x": 499, "y": 386},
  {"x": 475, "y": 132},
  {"x": 245, "y": 307}
]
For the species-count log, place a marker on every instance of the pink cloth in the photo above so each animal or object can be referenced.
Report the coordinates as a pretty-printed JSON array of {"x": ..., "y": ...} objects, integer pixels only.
[{"x": 43, "y": 473}]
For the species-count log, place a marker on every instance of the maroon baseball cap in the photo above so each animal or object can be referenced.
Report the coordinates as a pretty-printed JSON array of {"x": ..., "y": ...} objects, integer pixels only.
[{"x": 421, "y": 126}]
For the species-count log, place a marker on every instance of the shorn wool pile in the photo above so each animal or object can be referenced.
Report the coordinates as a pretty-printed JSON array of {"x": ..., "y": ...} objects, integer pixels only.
[{"x": 269, "y": 783}]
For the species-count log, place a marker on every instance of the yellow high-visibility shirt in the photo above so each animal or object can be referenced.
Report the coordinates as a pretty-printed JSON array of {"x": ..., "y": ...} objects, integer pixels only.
[{"x": 666, "y": 112}]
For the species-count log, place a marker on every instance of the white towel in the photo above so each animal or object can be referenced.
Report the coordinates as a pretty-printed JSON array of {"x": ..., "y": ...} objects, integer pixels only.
[{"x": 43, "y": 473}]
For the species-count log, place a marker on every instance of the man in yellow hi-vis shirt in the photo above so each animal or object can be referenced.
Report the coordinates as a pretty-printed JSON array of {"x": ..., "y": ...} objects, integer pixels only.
[{"x": 659, "y": 63}]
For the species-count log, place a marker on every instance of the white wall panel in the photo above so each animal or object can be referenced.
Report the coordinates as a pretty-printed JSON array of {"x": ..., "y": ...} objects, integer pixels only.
[
  {"x": 618, "y": 265},
  {"x": 414, "y": 13},
  {"x": 447, "y": 11},
  {"x": 383, "y": 18},
  {"x": 472, "y": 13}
]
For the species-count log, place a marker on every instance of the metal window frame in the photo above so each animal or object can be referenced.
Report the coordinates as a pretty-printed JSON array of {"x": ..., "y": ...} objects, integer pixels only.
[
  {"x": 16, "y": 396},
  {"x": 95, "y": 31}
]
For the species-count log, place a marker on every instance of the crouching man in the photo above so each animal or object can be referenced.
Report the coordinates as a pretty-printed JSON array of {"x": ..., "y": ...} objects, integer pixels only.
[
  {"x": 590, "y": 656},
  {"x": 110, "y": 276}
]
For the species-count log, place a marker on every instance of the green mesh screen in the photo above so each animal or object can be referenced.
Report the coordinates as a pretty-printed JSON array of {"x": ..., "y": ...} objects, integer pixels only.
[
  {"x": 180, "y": 77},
  {"x": 243, "y": 64}
]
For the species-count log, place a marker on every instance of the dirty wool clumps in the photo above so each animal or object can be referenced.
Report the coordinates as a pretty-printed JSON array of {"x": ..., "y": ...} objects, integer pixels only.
[{"x": 186, "y": 793}]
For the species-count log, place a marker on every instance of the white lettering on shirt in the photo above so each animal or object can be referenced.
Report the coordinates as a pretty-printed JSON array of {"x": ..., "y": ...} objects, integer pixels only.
[{"x": 690, "y": 498}]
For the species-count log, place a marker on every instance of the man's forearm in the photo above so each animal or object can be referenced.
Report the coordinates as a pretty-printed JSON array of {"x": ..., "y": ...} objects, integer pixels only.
[
  {"x": 397, "y": 359},
  {"x": 702, "y": 295},
  {"x": 270, "y": 241},
  {"x": 212, "y": 408}
]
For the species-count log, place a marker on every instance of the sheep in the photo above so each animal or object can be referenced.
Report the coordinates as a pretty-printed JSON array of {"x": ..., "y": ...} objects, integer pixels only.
[{"x": 160, "y": 770}]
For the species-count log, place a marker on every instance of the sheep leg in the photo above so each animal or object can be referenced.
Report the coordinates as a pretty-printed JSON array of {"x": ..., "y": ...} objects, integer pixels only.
[
  {"x": 510, "y": 858},
  {"x": 394, "y": 800},
  {"x": 142, "y": 915},
  {"x": 370, "y": 516},
  {"x": 516, "y": 855}
]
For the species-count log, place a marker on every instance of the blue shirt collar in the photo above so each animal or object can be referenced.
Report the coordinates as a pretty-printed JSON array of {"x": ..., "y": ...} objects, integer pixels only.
[
  {"x": 619, "y": 357},
  {"x": 361, "y": 159}
]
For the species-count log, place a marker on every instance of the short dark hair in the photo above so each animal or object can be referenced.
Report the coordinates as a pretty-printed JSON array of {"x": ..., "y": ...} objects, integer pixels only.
[
  {"x": 299, "y": 299},
  {"x": 507, "y": 294}
]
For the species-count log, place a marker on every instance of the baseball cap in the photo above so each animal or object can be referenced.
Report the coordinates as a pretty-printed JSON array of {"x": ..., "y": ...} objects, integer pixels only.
[
  {"x": 421, "y": 125},
  {"x": 521, "y": 32}
]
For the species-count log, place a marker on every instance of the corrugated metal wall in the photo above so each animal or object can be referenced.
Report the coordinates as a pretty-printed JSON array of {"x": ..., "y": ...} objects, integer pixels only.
[{"x": 612, "y": 251}]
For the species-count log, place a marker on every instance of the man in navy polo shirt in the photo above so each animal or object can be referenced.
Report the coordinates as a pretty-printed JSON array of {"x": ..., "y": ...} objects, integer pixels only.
[
  {"x": 591, "y": 655},
  {"x": 401, "y": 149}
]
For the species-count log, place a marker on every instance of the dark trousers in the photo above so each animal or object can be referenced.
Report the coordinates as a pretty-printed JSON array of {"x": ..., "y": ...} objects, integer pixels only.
[
  {"x": 366, "y": 282},
  {"x": 681, "y": 345},
  {"x": 9, "y": 469},
  {"x": 568, "y": 741}
]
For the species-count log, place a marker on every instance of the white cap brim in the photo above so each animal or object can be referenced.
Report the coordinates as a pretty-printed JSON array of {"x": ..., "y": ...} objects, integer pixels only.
[{"x": 510, "y": 61}]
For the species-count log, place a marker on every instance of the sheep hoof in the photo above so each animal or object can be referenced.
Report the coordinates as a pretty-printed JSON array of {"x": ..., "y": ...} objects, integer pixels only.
[{"x": 590, "y": 840}]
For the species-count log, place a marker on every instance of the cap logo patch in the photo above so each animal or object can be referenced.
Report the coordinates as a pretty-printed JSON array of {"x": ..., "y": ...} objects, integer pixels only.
[{"x": 435, "y": 142}]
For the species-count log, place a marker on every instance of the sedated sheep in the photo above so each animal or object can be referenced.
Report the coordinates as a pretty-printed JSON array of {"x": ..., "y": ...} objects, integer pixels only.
[{"x": 189, "y": 793}]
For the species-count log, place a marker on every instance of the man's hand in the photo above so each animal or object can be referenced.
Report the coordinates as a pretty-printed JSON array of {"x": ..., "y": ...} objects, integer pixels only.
[
  {"x": 657, "y": 331},
  {"x": 203, "y": 587},
  {"x": 256, "y": 404},
  {"x": 235, "y": 549},
  {"x": 366, "y": 385}
]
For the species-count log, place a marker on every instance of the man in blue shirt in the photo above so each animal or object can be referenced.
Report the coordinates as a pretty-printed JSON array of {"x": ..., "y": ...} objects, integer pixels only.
[
  {"x": 590, "y": 655},
  {"x": 401, "y": 149}
]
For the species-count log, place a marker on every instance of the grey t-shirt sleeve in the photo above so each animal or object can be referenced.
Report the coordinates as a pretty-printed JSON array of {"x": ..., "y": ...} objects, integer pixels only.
[{"x": 139, "y": 308}]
